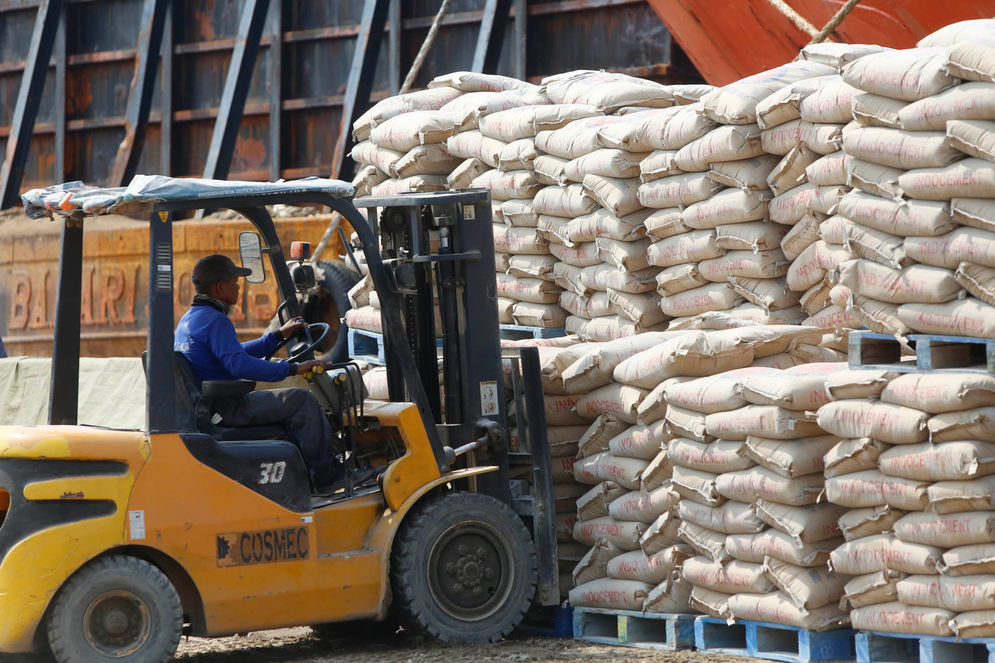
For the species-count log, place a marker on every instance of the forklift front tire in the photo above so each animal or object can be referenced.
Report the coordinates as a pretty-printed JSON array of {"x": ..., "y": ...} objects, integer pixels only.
[
  {"x": 463, "y": 568},
  {"x": 116, "y": 608}
]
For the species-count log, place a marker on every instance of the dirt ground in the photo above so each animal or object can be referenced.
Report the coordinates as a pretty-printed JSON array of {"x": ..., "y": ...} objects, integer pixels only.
[{"x": 297, "y": 645}]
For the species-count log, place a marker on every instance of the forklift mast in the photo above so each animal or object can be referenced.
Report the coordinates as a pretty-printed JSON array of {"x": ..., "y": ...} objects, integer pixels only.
[{"x": 438, "y": 249}]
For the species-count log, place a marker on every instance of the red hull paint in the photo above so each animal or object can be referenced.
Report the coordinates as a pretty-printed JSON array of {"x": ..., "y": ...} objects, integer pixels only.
[{"x": 729, "y": 39}]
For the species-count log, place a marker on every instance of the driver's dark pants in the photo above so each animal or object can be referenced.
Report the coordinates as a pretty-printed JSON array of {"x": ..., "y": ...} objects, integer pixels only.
[{"x": 298, "y": 412}]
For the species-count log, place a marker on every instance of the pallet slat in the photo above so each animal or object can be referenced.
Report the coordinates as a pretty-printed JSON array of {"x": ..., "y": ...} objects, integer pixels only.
[
  {"x": 773, "y": 642},
  {"x": 960, "y": 354},
  {"x": 873, "y": 647},
  {"x": 519, "y": 332},
  {"x": 643, "y": 630}
]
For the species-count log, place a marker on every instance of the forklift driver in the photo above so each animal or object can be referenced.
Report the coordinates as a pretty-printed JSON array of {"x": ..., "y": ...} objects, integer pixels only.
[{"x": 206, "y": 337}]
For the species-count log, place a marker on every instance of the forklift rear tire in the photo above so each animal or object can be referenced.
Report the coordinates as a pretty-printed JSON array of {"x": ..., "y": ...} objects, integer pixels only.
[
  {"x": 118, "y": 608},
  {"x": 463, "y": 568}
]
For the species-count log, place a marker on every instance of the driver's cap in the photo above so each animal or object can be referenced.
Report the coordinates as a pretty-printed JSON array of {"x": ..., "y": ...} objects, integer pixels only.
[{"x": 216, "y": 268}]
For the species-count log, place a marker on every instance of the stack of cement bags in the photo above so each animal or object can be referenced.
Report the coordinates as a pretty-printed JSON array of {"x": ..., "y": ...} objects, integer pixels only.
[{"x": 916, "y": 469}]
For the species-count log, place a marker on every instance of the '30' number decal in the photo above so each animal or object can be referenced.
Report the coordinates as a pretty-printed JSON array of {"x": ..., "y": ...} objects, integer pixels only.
[{"x": 272, "y": 472}]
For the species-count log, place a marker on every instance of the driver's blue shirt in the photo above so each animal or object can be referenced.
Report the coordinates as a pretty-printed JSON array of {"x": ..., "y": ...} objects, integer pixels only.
[{"x": 207, "y": 338}]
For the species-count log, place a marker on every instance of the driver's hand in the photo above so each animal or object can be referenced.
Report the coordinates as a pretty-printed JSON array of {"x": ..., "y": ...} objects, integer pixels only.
[
  {"x": 292, "y": 327},
  {"x": 309, "y": 368}
]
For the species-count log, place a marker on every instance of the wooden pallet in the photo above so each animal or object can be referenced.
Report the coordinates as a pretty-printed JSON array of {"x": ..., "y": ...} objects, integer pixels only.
[
  {"x": 552, "y": 622},
  {"x": 626, "y": 628},
  {"x": 519, "y": 332},
  {"x": 773, "y": 642},
  {"x": 933, "y": 352},
  {"x": 873, "y": 647},
  {"x": 368, "y": 346}
]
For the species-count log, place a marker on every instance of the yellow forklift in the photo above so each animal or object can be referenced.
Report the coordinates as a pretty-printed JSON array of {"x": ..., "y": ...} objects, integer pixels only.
[{"x": 114, "y": 543}]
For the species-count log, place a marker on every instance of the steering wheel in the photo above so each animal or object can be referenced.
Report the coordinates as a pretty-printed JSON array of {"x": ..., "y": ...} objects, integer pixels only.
[{"x": 307, "y": 333}]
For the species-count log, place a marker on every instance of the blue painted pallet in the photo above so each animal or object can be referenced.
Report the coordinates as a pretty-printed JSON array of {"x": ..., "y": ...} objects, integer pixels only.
[
  {"x": 961, "y": 354},
  {"x": 556, "y": 622},
  {"x": 773, "y": 642},
  {"x": 368, "y": 346},
  {"x": 626, "y": 628},
  {"x": 873, "y": 647},
  {"x": 518, "y": 332}
]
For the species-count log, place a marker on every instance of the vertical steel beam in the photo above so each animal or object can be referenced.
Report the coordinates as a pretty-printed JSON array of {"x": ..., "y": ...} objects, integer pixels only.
[
  {"x": 275, "y": 90},
  {"x": 60, "y": 100},
  {"x": 63, "y": 393},
  {"x": 166, "y": 94},
  {"x": 357, "y": 93},
  {"x": 243, "y": 61},
  {"x": 394, "y": 46},
  {"x": 521, "y": 39},
  {"x": 28, "y": 99},
  {"x": 142, "y": 88},
  {"x": 491, "y": 37},
  {"x": 160, "y": 400}
]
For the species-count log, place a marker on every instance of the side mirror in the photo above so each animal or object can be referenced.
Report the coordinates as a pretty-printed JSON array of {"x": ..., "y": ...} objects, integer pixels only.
[{"x": 251, "y": 252}]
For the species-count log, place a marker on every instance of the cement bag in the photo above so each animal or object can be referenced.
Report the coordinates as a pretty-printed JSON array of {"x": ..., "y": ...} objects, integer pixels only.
[
  {"x": 812, "y": 265},
  {"x": 566, "y": 201},
  {"x": 615, "y": 327},
  {"x": 966, "y": 317},
  {"x": 422, "y": 100},
  {"x": 405, "y": 131},
  {"x": 662, "y": 534},
  {"x": 712, "y": 297},
  {"x": 830, "y": 170},
  {"x": 551, "y": 170},
  {"x": 736, "y": 103},
  {"x": 872, "y": 110},
  {"x": 679, "y": 278},
  {"x": 769, "y": 294},
  {"x": 777, "y": 608},
  {"x": 696, "y": 485},
  {"x": 871, "y": 588},
  {"x": 715, "y": 604},
  {"x": 644, "y": 507},
  {"x": 850, "y": 456},
  {"x": 413, "y": 184},
  {"x": 605, "y": 163},
  {"x": 664, "y": 223},
  {"x": 553, "y": 361},
  {"x": 948, "y": 461},
  {"x": 875, "y": 179},
  {"x": 789, "y": 207},
  {"x": 714, "y": 457},
  {"x": 875, "y": 245},
  {"x": 610, "y": 594},
  {"x": 628, "y": 255},
  {"x": 897, "y": 617},
  {"x": 654, "y": 569},
  {"x": 882, "y": 421},
  {"x": 790, "y": 170},
  {"x": 536, "y": 291},
  {"x": 761, "y": 420},
  {"x": 974, "y": 624},
  {"x": 606, "y": 277},
  {"x": 469, "y": 108},
  {"x": 970, "y": 178},
  {"x": 729, "y": 578},
  {"x": 643, "y": 309},
  {"x": 579, "y": 255},
  {"x": 884, "y": 551},
  {"x": 366, "y": 178},
  {"x": 463, "y": 174},
  {"x": 518, "y": 155},
  {"x": 750, "y": 174},
  {"x": 781, "y": 139},
  {"x": 906, "y": 217},
  {"x": 784, "y": 547},
  {"x": 563, "y": 470},
  {"x": 715, "y": 393},
  {"x": 800, "y": 236},
  {"x": 381, "y": 157},
  {"x": 730, "y": 206},
  {"x": 576, "y": 139},
  {"x": 531, "y": 266},
  {"x": 729, "y": 518},
  {"x": 553, "y": 230},
  {"x": 958, "y": 32},
  {"x": 916, "y": 283},
  {"x": 940, "y": 392},
  {"x": 623, "y": 534},
  {"x": 704, "y": 541},
  {"x": 821, "y": 138},
  {"x": 790, "y": 458},
  {"x": 594, "y": 367},
  {"x": 746, "y": 264},
  {"x": 975, "y": 138},
  {"x": 607, "y": 91},
  {"x": 907, "y": 74},
  {"x": 830, "y": 103},
  {"x": 671, "y": 596},
  {"x": 968, "y": 101},
  {"x": 599, "y": 434},
  {"x": 475, "y": 82},
  {"x": 539, "y": 315},
  {"x": 602, "y": 223},
  {"x": 805, "y": 588},
  {"x": 519, "y": 241},
  {"x": 527, "y": 121},
  {"x": 871, "y": 488},
  {"x": 594, "y": 564},
  {"x": 686, "y": 125},
  {"x": 693, "y": 353},
  {"x": 431, "y": 159},
  {"x": 858, "y": 383},
  {"x": 640, "y": 441},
  {"x": 900, "y": 149},
  {"x": 967, "y": 560},
  {"x": 594, "y": 503},
  {"x": 795, "y": 390},
  {"x": 637, "y": 132},
  {"x": 978, "y": 280},
  {"x": 723, "y": 143},
  {"x": 976, "y": 424},
  {"x": 947, "y": 530},
  {"x": 956, "y": 496},
  {"x": 681, "y": 249},
  {"x": 658, "y": 164},
  {"x": 686, "y": 423},
  {"x": 654, "y": 407},
  {"x": 804, "y": 524},
  {"x": 677, "y": 190},
  {"x": 759, "y": 482},
  {"x": 564, "y": 527},
  {"x": 604, "y": 467},
  {"x": 507, "y": 185},
  {"x": 474, "y": 145},
  {"x": 833, "y": 317},
  {"x": 784, "y": 104}
]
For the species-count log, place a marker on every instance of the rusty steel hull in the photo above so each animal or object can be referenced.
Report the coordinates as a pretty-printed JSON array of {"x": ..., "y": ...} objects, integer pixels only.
[{"x": 731, "y": 39}]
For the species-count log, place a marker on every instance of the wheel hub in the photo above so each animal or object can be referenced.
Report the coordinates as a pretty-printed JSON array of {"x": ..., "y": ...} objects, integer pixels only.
[
  {"x": 469, "y": 571},
  {"x": 117, "y": 623}
]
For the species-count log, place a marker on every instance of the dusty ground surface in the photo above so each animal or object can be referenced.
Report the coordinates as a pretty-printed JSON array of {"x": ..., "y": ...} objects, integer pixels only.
[{"x": 299, "y": 646}]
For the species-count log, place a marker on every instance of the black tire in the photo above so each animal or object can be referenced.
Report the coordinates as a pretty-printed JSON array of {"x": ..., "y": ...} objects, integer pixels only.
[
  {"x": 463, "y": 568},
  {"x": 119, "y": 609},
  {"x": 328, "y": 302}
]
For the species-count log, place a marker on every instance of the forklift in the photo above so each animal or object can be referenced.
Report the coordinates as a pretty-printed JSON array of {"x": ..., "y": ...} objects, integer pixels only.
[{"x": 115, "y": 543}]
